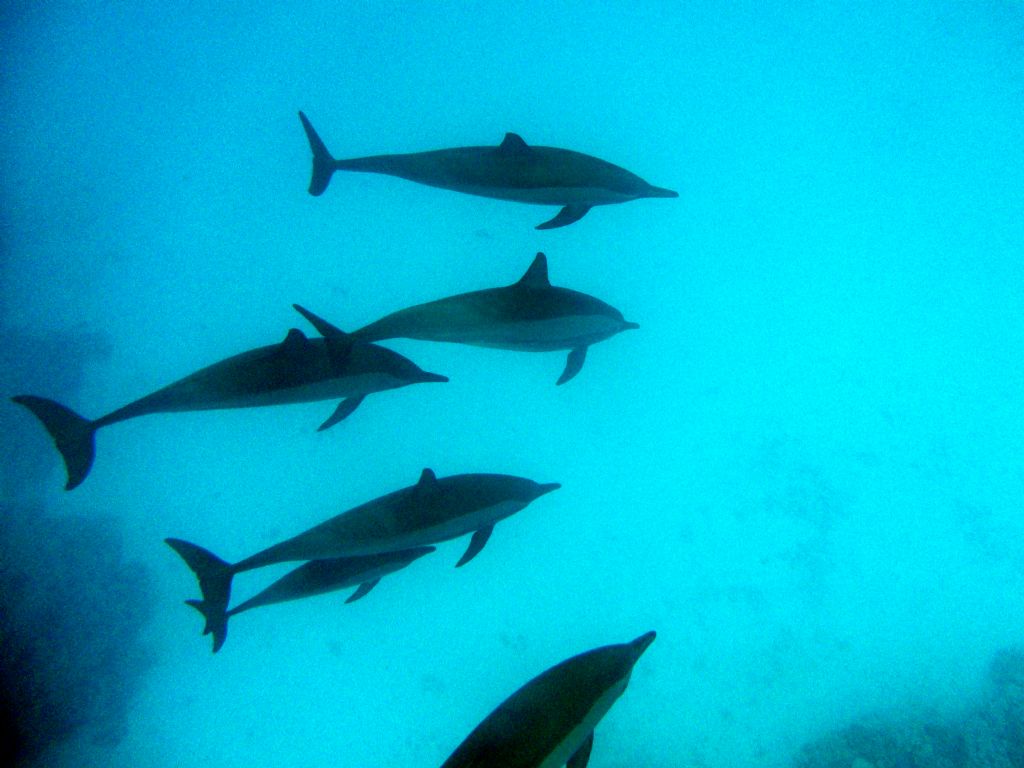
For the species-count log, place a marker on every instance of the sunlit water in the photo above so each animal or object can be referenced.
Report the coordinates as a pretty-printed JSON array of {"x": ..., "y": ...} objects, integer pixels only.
[{"x": 804, "y": 470}]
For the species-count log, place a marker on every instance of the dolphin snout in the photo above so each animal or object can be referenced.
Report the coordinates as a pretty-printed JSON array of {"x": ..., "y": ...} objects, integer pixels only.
[
  {"x": 643, "y": 642},
  {"x": 661, "y": 192},
  {"x": 628, "y": 326},
  {"x": 426, "y": 376},
  {"x": 547, "y": 488}
]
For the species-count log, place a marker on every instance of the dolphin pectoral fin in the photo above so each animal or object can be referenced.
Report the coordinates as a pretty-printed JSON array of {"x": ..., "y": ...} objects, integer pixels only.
[
  {"x": 342, "y": 412},
  {"x": 565, "y": 217},
  {"x": 324, "y": 164},
  {"x": 476, "y": 543},
  {"x": 582, "y": 755},
  {"x": 573, "y": 365},
  {"x": 363, "y": 590}
]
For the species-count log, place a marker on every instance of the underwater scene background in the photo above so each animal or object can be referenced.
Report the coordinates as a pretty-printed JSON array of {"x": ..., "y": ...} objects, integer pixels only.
[{"x": 803, "y": 470}]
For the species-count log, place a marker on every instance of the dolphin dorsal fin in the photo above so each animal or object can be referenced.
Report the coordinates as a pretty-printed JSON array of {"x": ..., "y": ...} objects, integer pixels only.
[
  {"x": 327, "y": 330},
  {"x": 294, "y": 342},
  {"x": 513, "y": 144},
  {"x": 426, "y": 486},
  {"x": 339, "y": 343},
  {"x": 537, "y": 275}
]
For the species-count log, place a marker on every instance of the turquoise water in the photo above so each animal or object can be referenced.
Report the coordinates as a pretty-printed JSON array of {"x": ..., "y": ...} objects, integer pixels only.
[{"x": 803, "y": 471}]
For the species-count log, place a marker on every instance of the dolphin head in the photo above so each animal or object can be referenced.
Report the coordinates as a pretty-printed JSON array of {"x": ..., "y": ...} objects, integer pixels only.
[
  {"x": 628, "y": 654},
  {"x": 603, "y": 320},
  {"x": 521, "y": 490},
  {"x": 426, "y": 377},
  {"x": 624, "y": 657},
  {"x": 653, "y": 191},
  {"x": 539, "y": 489},
  {"x": 642, "y": 643},
  {"x": 401, "y": 370}
]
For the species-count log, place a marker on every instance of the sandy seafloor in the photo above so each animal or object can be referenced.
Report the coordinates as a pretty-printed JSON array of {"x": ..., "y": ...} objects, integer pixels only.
[{"x": 804, "y": 470}]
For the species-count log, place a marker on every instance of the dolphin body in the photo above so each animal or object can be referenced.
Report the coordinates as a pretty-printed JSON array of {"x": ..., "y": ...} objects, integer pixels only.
[
  {"x": 549, "y": 722},
  {"x": 530, "y": 315},
  {"x": 298, "y": 370},
  {"x": 513, "y": 170},
  {"x": 316, "y": 577},
  {"x": 431, "y": 511}
]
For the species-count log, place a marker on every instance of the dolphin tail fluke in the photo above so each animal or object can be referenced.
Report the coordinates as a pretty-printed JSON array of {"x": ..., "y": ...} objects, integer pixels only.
[
  {"x": 324, "y": 163},
  {"x": 214, "y": 577},
  {"x": 216, "y": 622},
  {"x": 72, "y": 434}
]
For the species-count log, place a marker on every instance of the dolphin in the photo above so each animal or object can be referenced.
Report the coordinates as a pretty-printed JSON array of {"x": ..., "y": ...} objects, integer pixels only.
[
  {"x": 513, "y": 170},
  {"x": 297, "y": 370},
  {"x": 431, "y": 511},
  {"x": 530, "y": 315},
  {"x": 549, "y": 722},
  {"x": 317, "y": 577}
]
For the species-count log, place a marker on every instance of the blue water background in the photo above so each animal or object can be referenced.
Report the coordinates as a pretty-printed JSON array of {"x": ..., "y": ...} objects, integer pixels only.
[{"x": 804, "y": 470}]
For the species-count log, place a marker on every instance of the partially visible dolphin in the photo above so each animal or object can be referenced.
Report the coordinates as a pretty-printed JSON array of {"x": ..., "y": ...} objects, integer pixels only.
[
  {"x": 549, "y": 722},
  {"x": 298, "y": 370},
  {"x": 513, "y": 170},
  {"x": 530, "y": 315},
  {"x": 317, "y": 577},
  {"x": 432, "y": 511}
]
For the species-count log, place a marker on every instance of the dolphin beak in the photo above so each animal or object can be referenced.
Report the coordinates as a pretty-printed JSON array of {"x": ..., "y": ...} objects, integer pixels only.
[
  {"x": 659, "y": 192},
  {"x": 628, "y": 326},
  {"x": 548, "y": 488},
  {"x": 426, "y": 376},
  {"x": 643, "y": 642}
]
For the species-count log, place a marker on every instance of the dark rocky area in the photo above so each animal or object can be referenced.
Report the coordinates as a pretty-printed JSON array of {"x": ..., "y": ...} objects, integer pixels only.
[
  {"x": 72, "y": 607},
  {"x": 73, "y": 604},
  {"x": 988, "y": 735}
]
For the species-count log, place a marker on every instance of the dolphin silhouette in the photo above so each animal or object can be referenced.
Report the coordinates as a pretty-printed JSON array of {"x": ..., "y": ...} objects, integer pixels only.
[
  {"x": 431, "y": 511},
  {"x": 529, "y": 315},
  {"x": 549, "y": 722},
  {"x": 298, "y": 370},
  {"x": 513, "y": 170},
  {"x": 317, "y": 577}
]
